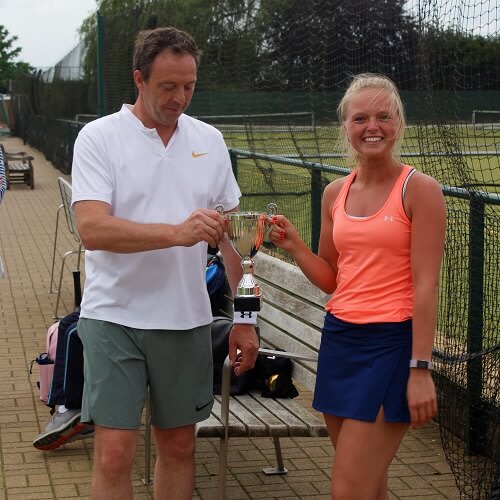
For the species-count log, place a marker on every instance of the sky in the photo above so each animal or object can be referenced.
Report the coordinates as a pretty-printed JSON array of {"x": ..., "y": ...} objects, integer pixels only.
[{"x": 46, "y": 29}]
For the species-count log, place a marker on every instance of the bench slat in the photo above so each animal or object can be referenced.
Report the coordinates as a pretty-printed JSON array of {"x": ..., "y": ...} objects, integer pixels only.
[
  {"x": 272, "y": 425},
  {"x": 254, "y": 425},
  {"x": 288, "y": 277},
  {"x": 19, "y": 167},
  {"x": 263, "y": 417},
  {"x": 295, "y": 306},
  {"x": 315, "y": 427},
  {"x": 281, "y": 409},
  {"x": 295, "y": 330},
  {"x": 269, "y": 333},
  {"x": 212, "y": 426}
]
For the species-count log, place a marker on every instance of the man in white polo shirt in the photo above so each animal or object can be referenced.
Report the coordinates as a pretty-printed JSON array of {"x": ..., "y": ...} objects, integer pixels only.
[{"x": 146, "y": 181}]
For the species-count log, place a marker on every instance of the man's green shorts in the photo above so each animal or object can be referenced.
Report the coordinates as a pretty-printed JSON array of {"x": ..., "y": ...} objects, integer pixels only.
[{"x": 120, "y": 363}]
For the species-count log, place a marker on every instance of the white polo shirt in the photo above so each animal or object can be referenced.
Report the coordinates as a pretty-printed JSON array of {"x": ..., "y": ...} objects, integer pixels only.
[{"x": 120, "y": 162}]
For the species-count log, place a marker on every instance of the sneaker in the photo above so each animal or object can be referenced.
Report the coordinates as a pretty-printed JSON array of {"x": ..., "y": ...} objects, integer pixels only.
[
  {"x": 60, "y": 429},
  {"x": 87, "y": 431}
]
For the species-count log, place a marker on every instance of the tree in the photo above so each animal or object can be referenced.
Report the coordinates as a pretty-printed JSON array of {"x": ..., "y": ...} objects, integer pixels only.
[
  {"x": 464, "y": 61},
  {"x": 9, "y": 69},
  {"x": 319, "y": 43}
]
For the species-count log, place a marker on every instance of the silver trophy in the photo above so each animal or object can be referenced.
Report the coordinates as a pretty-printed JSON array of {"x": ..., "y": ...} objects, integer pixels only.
[{"x": 246, "y": 231}]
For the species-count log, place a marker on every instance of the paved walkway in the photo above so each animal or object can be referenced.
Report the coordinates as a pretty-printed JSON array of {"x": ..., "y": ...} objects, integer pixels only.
[{"x": 27, "y": 225}]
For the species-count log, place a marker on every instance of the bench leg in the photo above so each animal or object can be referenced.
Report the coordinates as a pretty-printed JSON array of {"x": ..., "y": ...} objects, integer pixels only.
[
  {"x": 29, "y": 178},
  {"x": 221, "y": 488},
  {"x": 280, "y": 470}
]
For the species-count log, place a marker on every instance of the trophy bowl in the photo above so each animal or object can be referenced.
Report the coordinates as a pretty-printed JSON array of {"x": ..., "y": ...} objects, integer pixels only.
[{"x": 246, "y": 231}]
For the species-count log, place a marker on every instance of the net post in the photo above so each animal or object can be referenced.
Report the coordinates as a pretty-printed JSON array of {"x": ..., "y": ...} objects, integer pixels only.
[
  {"x": 476, "y": 428},
  {"x": 234, "y": 163},
  {"x": 316, "y": 193},
  {"x": 100, "y": 64}
]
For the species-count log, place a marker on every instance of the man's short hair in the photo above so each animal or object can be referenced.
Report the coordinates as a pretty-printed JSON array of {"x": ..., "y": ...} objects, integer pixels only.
[{"x": 149, "y": 43}]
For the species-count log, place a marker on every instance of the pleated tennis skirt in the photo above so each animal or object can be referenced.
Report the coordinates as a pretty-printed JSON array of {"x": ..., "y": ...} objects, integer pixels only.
[{"x": 363, "y": 367}]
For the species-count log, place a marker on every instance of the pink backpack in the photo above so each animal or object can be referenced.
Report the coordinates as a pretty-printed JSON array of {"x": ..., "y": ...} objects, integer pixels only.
[{"x": 45, "y": 362}]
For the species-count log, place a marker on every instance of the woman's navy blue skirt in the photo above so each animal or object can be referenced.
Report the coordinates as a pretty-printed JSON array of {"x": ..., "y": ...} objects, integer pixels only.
[{"x": 364, "y": 367}]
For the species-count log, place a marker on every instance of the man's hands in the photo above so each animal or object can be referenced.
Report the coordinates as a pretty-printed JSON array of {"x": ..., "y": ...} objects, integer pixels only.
[
  {"x": 202, "y": 225},
  {"x": 243, "y": 338}
]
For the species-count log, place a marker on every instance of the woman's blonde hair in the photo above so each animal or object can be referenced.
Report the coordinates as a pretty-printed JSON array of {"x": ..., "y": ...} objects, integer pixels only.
[{"x": 365, "y": 81}]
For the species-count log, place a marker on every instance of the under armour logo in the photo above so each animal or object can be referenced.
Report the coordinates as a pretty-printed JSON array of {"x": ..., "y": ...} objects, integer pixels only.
[
  {"x": 388, "y": 218},
  {"x": 247, "y": 314}
]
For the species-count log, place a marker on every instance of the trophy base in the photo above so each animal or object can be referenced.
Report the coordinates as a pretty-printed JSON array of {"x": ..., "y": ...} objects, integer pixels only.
[{"x": 246, "y": 303}]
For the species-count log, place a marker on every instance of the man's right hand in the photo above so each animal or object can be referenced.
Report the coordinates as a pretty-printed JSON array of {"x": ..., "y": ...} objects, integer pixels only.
[{"x": 203, "y": 225}]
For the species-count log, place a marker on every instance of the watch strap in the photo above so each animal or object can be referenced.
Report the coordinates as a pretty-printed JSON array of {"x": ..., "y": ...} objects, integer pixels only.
[{"x": 421, "y": 363}]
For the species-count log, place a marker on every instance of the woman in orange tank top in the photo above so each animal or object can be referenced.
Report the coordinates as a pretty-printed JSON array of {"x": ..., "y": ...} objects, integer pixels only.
[{"x": 380, "y": 251}]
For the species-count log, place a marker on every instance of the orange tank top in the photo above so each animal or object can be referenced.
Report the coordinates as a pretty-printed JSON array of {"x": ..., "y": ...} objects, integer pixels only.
[{"x": 374, "y": 282}]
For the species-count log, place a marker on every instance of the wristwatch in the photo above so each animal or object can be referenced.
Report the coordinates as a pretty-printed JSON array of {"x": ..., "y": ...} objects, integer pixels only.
[{"x": 420, "y": 363}]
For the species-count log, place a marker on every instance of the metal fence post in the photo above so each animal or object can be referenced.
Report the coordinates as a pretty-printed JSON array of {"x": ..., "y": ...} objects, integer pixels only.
[
  {"x": 234, "y": 162},
  {"x": 100, "y": 65},
  {"x": 316, "y": 193},
  {"x": 476, "y": 431}
]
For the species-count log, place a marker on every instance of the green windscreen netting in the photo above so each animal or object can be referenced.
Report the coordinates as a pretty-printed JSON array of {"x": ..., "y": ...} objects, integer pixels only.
[{"x": 270, "y": 79}]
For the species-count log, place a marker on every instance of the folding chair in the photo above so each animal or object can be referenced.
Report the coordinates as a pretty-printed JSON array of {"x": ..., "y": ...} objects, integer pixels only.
[
  {"x": 66, "y": 192},
  {"x": 54, "y": 250}
]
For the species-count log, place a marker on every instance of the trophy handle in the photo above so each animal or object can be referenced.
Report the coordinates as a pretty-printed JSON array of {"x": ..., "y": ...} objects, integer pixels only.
[{"x": 272, "y": 209}]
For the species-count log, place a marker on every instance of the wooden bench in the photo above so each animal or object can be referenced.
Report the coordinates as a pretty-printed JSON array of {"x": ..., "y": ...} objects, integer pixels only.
[
  {"x": 18, "y": 168},
  {"x": 291, "y": 319}
]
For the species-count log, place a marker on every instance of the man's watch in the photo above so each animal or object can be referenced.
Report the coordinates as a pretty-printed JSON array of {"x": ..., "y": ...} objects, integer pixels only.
[{"x": 420, "y": 363}]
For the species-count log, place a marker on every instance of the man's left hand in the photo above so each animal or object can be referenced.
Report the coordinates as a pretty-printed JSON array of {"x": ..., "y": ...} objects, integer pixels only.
[{"x": 243, "y": 347}]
